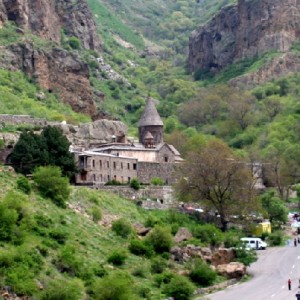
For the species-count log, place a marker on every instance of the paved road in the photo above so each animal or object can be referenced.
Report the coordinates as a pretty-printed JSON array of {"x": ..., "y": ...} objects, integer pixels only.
[{"x": 270, "y": 275}]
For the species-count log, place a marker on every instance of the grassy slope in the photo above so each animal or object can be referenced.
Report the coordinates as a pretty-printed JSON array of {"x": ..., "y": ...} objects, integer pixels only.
[{"x": 93, "y": 243}]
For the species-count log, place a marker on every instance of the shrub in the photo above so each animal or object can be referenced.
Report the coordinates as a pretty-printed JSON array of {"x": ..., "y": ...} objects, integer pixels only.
[
  {"x": 245, "y": 256},
  {"x": 139, "y": 247},
  {"x": 113, "y": 182},
  {"x": 135, "y": 184},
  {"x": 96, "y": 214},
  {"x": 140, "y": 271},
  {"x": 208, "y": 234},
  {"x": 163, "y": 278},
  {"x": 157, "y": 181},
  {"x": 59, "y": 235},
  {"x": 14, "y": 217},
  {"x": 63, "y": 289},
  {"x": 151, "y": 221},
  {"x": 122, "y": 228},
  {"x": 94, "y": 200},
  {"x": 117, "y": 257},
  {"x": 201, "y": 273},
  {"x": 275, "y": 238},
  {"x": 161, "y": 239},
  {"x": 116, "y": 286},
  {"x": 74, "y": 43},
  {"x": 23, "y": 185},
  {"x": 52, "y": 185},
  {"x": 180, "y": 288},
  {"x": 158, "y": 265},
  {"x": 232, "y": 238},
  {"x": 69, "y": 262}
]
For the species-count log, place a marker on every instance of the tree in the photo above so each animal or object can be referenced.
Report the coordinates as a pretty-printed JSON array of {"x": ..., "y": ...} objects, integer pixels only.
[
  {"x": 215, "y": 177},
  {"x": 274, "y": 207},
  {"x": 29, "y": 152},
  {"x": 58, "y": 150},
  {"x": 51, "y": 147}
]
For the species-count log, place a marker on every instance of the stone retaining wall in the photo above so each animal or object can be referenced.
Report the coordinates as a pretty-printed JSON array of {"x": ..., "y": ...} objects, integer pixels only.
[
  {"x": 151, "y": 197},
  {"x": 22, "y": 119}
]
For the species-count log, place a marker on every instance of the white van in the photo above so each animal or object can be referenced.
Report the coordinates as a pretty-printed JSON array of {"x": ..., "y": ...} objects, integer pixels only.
[{"x": 254, "y": 243}]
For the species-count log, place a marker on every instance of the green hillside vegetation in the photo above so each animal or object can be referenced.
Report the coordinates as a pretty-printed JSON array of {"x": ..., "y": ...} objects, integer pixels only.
[
  {"x": 166, "y": 22},
  {"x": 47, "y": 251},
  {"x": 20, "y": 96}
]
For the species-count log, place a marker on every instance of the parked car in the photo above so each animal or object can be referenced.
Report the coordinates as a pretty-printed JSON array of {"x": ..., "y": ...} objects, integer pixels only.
[{"x": 254, "y": 243}]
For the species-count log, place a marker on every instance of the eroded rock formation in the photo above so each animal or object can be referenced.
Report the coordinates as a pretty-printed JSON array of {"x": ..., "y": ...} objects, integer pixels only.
[
  {"x": 53, "y": 68},
  {"x": 250, "y": 28},
  {"x": 47, "y": 18}
]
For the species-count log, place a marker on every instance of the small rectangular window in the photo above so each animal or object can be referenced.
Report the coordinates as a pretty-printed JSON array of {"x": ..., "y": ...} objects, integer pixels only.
[
  {"x": 107, "y": 163},
  {"x": 121, "y": 165},
  {"x": 134, "y": 166},
  {"x": 128, "y": 166},
  {"x": 93, "y": 163},
  {"x": 100, "y": 163},
  {"x": 115, "y": 165}
]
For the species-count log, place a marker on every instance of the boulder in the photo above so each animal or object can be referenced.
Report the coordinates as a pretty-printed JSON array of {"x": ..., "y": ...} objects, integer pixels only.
[
  {"x": 207, "y": 254},
  {"x": 182, "y": 234},
  {"x": 184, "y": 254},
  {"x": 232, "y": 270},
  {"x": 222, "y": 256}
]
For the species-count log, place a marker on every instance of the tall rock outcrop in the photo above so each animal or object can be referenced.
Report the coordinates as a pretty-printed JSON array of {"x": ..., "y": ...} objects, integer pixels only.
[
  {"x": 47, "y": 18},
  {"x": 250, "y": 28},
  {"x": 53, "y": 68}
]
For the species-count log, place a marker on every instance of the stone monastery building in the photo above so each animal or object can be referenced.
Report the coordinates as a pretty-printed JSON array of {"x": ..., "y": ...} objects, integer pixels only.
[{"x": 124, "y": 159}]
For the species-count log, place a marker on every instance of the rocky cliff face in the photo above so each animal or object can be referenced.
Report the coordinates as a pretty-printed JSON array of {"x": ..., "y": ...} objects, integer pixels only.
[
  {"x": 54, "y": 69},
  {"x": 46, "y": 18},
  {"x": 250, "y": 28}
]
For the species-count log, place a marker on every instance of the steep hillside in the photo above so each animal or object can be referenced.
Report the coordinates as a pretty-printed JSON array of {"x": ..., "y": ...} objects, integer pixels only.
[
  {"x": 34, "y": 47},
  {"x": 246, "y": 30},
  {"x": 49, "y": 252}
]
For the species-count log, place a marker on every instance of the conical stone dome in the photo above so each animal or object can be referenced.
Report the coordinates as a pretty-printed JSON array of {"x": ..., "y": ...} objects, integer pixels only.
[
  {"x": 150, "y": 116},
  {"x": 150, "y": 123}
]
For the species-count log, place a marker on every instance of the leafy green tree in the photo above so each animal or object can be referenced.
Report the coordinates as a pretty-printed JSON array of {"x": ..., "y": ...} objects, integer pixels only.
[
  {"x": 274, "y": 207},
  {"x": 29, "y": 152},
  {"x": 51, "y": 147},
  {"x": 58, "y": 148},
  {"x": 52, "y": 184},
  {"x": 217, "y": 178}
]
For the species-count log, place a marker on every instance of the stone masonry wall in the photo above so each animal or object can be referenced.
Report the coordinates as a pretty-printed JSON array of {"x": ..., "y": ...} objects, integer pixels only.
[
  {"x": 147, "y": 170},
  {"x": 22, "y": 119},
  {"x": 152, "y": 197}
]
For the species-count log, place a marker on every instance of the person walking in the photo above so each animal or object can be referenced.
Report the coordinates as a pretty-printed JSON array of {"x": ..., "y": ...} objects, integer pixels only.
[
  {"x": 289, "y": 284},
  {"x": 295, "y": 242}
]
